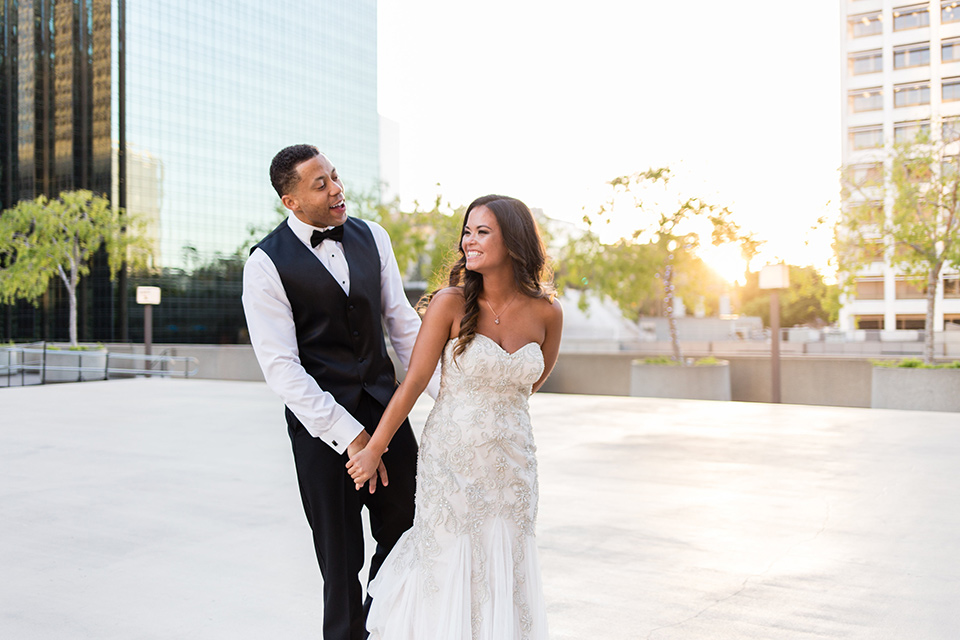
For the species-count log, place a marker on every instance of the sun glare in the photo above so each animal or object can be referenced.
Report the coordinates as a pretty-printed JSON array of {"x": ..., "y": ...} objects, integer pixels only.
[{"x": 726, "y": 261}]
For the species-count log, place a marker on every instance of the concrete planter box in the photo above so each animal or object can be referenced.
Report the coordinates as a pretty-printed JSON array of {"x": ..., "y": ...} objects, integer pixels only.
[
  {"x": 916, "y": 389},
  {"x": 701, "y": 382},
  {"x": 93, "y": 362}
]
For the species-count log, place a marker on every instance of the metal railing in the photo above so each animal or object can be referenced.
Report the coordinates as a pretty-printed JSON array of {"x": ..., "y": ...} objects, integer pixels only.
[{"x": 40, "y": 364}]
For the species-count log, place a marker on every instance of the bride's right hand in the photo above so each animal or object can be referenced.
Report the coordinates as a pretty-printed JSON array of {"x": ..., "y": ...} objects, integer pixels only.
[{"x": 366, "y": 465}]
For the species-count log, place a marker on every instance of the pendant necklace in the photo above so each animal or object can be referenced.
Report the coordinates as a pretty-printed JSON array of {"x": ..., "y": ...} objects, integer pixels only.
[{"x": 496, "y": 316}]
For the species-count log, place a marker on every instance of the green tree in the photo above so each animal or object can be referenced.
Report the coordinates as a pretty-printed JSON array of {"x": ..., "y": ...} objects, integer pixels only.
[
  {"x": 919, "y": 233},
  {"x": 256, "y": 232},
  {"x": 658, "y": 255},
  {"x": 41, "y": 239},
  {"x": 808, "y": 301},
  {"x": 424, "y": 239}
]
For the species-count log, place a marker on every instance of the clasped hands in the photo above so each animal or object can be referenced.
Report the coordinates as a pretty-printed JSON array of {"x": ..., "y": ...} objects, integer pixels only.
[{"x": 365, "y": 463}]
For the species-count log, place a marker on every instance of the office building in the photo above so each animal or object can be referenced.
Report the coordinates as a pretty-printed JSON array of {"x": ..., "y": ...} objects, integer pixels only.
[
  {"x": 174, "y": 108},
  {"x": 901, "y": 76}
]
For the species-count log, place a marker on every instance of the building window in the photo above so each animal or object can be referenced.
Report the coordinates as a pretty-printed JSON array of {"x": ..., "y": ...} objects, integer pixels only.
[
  {"x": 948, "y": 168},
  {"x": 950, "y": 11},
  {"x": 906, "y": 132},
  {"x": 911, "y": 17},
  {"x": 951, "y": 89},
  {"x": 951, "y": 286},
  {"x": 868, "y": 322},
  {"x": 865, "y": 24},
  {"x": 866, "y": 138},
  {"x": 918, "y": 171},
  {"x": 869, "y": 288},
  {"x": 909, "y": 95},
  {"x": 867, "y": 215},
  {"x": 867, "y": 174},
  {"x": 874, "y": 213},
  {"x": 951, "y": 321},
  {"x": 950, "y": 50},
  {"x": 874, "y": 251},
  {"x": 866, "y": 100},
  {"x": 913, "y": 322},
  {"x": 913, "y": 55},
  {"x": 910, "y": 289},
  {"x": 866, "y": 62},
  {"x": 950, "y": 129}
]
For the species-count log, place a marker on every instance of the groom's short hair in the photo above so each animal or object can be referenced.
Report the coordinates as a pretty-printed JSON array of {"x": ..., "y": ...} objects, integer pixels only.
[{"x": 283, "y": 169}]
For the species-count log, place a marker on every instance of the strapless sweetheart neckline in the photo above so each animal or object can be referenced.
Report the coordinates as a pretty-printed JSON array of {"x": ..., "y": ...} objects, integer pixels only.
[{"x": 497, "y": 344}]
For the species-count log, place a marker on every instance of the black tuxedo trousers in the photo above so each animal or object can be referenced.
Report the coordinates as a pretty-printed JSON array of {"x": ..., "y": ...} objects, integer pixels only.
[{"x": 332, "y": 505}]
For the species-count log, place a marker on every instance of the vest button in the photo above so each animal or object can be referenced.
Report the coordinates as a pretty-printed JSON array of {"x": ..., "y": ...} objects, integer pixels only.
[
  {"x": 359, "y": 359},
  {"x": 356, "y": 333},
  {"x": 350, "y": 307}
]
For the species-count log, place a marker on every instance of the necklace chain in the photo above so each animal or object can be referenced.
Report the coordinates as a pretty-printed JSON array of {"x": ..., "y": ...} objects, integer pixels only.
[{"x": 496, "y": 316}]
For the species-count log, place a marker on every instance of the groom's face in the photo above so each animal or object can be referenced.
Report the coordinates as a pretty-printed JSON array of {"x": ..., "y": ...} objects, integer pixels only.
[{"x": 318, "y": 197}]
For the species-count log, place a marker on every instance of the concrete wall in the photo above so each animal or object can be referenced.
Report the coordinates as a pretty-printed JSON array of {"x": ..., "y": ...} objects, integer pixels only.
[
  {"x": 215, "y": 362},
  {"x": 842, "y": 382},
  {"x": 591, "y": 373},
  {"x": 838, "y": 382},
  {"x": 806, "y": 379},
  {"x": 219, "y": 362},
  {"x": 705, "y": 382}
]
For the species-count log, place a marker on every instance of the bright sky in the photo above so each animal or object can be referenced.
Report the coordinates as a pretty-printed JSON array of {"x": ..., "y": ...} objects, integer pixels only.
[{"x": 546, "y": 101}]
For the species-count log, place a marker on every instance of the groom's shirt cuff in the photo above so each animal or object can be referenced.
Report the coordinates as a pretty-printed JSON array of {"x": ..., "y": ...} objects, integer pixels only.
[{"x": 341, "y": 433}]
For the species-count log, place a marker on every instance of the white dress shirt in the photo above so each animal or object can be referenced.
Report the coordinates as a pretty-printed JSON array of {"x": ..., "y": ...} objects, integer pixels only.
[{"x": 274, "y": 336}]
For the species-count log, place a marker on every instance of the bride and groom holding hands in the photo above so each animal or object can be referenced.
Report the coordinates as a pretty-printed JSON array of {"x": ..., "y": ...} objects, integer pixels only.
[{"x": 454, "y": 521}]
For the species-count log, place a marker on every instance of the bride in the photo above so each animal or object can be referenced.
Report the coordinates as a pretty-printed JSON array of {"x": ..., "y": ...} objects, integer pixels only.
[{"x": 468, "y": 567}]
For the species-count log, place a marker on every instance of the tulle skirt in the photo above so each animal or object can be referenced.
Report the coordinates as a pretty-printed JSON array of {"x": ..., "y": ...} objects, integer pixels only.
[{"x": 463, "y": 592}]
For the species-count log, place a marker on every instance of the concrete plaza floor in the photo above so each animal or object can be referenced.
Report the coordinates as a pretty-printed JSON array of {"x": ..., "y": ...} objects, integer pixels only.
[{"x": 169, "y": 509}]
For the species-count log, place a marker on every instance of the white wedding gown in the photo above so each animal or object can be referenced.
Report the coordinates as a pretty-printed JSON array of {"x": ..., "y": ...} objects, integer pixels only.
[{"x": 468, "y": 567}]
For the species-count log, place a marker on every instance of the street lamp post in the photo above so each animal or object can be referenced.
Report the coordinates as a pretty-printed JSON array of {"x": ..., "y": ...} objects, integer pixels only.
[
  {"x": 148, "y": 297},
  {"x": 774, "y": 277}
]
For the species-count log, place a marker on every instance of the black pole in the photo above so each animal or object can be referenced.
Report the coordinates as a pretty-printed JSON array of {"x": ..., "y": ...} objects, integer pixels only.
[
  {"x": 122, "y": 307},
  {"x": 147, "y": 335},
  {"x": 775, "y": 345}
]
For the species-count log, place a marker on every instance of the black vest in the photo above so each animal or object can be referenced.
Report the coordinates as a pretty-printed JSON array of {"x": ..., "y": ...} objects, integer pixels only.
[{"x": 340, "y": 337}]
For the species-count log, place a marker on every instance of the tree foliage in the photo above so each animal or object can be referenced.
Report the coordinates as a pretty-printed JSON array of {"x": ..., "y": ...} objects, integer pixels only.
[
  {"x": 41, "y": 239},
  {"x": 424, "y": 239},
  {"x": 809, "y": 301},
  {"x": 918, "y": 232},
  {"x": 657, "y": 254}
]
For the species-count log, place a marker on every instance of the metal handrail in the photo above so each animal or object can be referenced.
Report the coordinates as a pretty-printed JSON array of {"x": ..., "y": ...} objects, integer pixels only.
[{"x": 151, "y": 365}]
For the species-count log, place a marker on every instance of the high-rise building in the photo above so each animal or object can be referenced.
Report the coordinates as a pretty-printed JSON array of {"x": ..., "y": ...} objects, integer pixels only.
[
  {"x": 174, "y": 108},
  {"x": 901, "y": 76}
]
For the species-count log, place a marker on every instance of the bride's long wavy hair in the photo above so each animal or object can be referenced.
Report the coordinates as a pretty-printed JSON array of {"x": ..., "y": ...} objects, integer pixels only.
[{"x": 527, "y": 253}]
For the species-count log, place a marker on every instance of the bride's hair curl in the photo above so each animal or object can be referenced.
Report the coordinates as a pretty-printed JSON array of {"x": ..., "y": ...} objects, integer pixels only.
[{"x": 527, "y": 254}]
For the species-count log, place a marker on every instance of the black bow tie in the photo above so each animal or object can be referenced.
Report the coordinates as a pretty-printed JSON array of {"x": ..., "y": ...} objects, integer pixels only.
[{"x": 334, "y": 233}]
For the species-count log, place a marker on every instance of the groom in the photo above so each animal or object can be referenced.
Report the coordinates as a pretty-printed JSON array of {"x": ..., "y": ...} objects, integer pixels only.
[{"x": 314, "y": 293}]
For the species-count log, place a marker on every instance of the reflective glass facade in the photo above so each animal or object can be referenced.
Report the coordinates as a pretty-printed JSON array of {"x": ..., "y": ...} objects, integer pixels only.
[{"x": 212, "y": 91}]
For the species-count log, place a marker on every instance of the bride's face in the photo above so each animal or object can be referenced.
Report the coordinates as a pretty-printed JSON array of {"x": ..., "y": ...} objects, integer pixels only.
[{"x": 482, "y": 242}]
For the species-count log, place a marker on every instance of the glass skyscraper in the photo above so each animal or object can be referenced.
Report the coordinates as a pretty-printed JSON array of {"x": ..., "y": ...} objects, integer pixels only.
[{"x": 200, "y": 95}]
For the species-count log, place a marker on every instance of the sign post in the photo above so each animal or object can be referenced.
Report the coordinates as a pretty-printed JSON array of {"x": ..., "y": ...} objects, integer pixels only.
[
  {"x": 775, "y": 277},
  {"x": 148, "y": 297}
]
